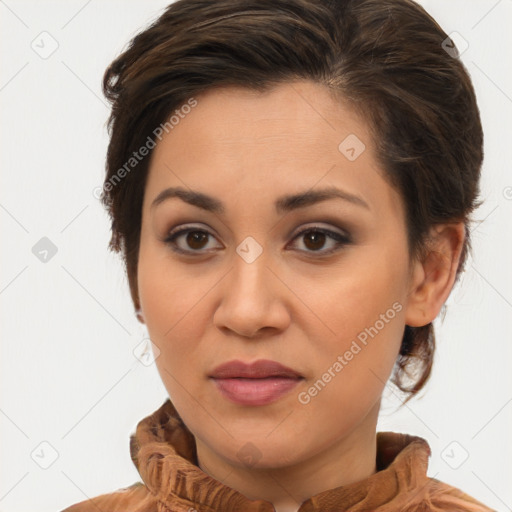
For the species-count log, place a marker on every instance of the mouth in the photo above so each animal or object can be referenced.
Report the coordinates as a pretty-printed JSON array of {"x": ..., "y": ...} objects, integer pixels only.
[{"x": 259, "y": 383}]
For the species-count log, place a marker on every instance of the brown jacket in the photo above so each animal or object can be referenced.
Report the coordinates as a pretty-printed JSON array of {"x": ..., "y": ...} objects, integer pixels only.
[{"x": 163, "y": 450}]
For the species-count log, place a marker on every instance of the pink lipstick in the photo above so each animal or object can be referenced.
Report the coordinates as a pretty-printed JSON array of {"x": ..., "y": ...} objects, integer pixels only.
[{"x": 259, "y": 383}]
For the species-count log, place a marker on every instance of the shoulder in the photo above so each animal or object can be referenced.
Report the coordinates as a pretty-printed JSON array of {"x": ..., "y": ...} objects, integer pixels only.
[
  {"x": 135, "y": 498},
  {"x": 444, "y": 497}
]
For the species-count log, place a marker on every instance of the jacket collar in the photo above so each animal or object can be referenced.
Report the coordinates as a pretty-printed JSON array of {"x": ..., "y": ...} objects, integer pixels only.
[{"x": 164, "y": 452}]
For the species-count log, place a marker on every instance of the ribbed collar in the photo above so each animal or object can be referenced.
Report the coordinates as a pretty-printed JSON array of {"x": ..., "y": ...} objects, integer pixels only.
[{"x": 164, "y": 452}]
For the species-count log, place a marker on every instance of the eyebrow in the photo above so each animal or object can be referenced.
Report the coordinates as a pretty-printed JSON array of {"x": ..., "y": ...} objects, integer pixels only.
[{"x": 283, "y": 204}]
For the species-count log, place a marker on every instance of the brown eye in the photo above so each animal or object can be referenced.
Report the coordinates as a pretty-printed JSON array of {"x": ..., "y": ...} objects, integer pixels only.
[
  {"x": 190, "y": 240},
  {"x": 314, "y": 239},
  {"x": 196, "y": 239}
]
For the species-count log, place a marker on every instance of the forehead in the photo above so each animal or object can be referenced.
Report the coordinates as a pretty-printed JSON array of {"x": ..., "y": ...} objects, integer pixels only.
[{"x": 288, "y": 138}]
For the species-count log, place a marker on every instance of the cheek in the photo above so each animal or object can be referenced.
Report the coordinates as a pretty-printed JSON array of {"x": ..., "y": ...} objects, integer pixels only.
[
  {"x": 357, "y": 294},
  {"x": 169, "y": 301},
  {"x": 356, "y": 363},
  {"x": 171, "y": 307},
  {"x": 365, "y": 316},
  {"x": 166, "y": 294},
  {"x": 174, "y": 300}
]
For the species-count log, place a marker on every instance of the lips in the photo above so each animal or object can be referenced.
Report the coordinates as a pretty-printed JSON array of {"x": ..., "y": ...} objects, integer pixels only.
[
  {"x": 261, "y": 369},
  {"x": 259, "y": 383}
]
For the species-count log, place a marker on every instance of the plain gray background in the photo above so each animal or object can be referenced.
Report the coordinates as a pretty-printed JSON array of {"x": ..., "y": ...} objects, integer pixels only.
[{"x": 69, "y": 376}]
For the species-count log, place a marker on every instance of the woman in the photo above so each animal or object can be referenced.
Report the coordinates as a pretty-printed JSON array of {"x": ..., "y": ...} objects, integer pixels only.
[{"x": 292, "y": 209}]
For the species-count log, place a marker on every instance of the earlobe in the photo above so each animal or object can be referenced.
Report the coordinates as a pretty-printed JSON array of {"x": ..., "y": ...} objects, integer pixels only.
[
  {"x": 433, "y": 278},
  {"x": 138, "y": 314},
  {"x": 414, "y": 311}
]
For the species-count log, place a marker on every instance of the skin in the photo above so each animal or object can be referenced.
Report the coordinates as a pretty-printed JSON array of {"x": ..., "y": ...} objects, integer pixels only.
[{"x": 291, "y": 304}]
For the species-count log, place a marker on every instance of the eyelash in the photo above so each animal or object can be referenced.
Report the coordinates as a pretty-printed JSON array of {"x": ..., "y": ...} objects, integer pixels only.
[{"x": 340, "y": 239}]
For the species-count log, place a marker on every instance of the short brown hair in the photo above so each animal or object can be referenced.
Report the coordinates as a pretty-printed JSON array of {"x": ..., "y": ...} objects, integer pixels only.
[{"x": 386, "y": 58}]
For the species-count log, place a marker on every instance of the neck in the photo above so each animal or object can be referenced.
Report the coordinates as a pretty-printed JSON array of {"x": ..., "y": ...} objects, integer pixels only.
[{"x": 349, "y": 459}]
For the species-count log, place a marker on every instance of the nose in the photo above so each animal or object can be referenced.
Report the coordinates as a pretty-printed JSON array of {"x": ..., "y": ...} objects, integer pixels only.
[{"x": 253, "y": 299}]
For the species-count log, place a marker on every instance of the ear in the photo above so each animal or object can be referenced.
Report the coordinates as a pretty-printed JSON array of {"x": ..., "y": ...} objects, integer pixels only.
[{"x": 432, "y": 278}]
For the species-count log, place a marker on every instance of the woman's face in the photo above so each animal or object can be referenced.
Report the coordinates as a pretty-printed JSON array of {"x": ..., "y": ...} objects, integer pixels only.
[{"x": 320, "y": 286}]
